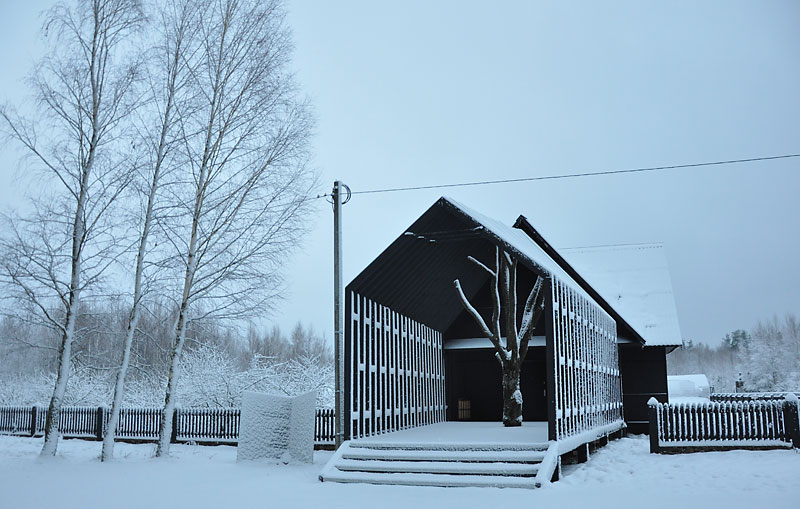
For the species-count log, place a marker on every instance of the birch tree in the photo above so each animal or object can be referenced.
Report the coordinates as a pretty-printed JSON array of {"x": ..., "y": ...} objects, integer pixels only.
[
  {"x": 511, "y": 352},
  {"x": 83, "y": 92},
  {"x": 168, "y": 81},
  {"x": 244, "y": 144}
]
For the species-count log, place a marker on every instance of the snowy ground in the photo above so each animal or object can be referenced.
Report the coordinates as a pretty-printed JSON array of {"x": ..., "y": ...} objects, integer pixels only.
[{"x": 623, "y": 474}]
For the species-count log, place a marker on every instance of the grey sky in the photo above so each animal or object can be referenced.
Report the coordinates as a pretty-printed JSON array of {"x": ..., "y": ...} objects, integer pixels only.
[{"x": 418, "y": 93}]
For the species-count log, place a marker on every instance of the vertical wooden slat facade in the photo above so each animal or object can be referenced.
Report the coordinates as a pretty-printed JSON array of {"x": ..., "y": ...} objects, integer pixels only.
[
  {"x": 394, "y": 372},
  {"x": 584, "y": 382}
]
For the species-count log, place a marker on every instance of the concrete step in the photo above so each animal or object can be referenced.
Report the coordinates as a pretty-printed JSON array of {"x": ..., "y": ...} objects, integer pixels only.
[
  {"x": 439, "y": 467},
  {"x": 426, "y": 479},
  {"x": 360, "y": 453}
]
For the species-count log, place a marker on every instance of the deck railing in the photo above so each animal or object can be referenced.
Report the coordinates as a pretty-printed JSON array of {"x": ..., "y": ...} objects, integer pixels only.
[
  {"x": 758, "y": 424},
  {"x": 201, "y": 425}
]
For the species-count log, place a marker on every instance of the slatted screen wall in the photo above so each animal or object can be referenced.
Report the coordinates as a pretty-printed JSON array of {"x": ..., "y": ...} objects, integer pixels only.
[
  {"x": 396, "y": 368},
  {"x": 588, "y": 393}
]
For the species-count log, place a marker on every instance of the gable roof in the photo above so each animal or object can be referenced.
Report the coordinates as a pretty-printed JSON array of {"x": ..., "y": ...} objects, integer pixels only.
[
  {"x": 635, "y": 280},
  {"x": 519, "y": 243},
  {"x": 414, "y": 274}
]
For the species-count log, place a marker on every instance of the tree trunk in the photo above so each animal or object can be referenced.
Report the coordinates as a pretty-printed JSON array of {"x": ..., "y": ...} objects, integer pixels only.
[
  {"x": 512, "y": 396},
  {"x": 119, "y": 388},
  {"x": 171, "y": 395},
  {"x": 53, "y": 420}
]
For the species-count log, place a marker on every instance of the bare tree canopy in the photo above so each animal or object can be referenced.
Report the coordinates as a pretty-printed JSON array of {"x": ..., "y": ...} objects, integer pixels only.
[
  {"x": 172, "y": 145},
  {"x": 167, "y": 93},
  {"x": 243, "y": 145},
  {"x": 84, "y": 94}
]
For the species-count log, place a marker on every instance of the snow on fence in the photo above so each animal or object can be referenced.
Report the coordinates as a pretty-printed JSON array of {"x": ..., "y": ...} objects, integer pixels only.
[
  {"x": 675, "y": 427},
  {"x": 197, "y": 424},
  {"x": 189, "y": 424},
  {"x": 324, "y": 424},
  {"x": 81, "y": 421},
  {"x": 749, "y": 396},
  {"x": 17, "y": 420},
  {"x": 138, "y": 423}
]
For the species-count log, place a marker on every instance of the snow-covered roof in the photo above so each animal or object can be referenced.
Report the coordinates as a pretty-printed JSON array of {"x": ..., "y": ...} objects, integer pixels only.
[
  {"x": 635, "y": 280},
  {"x": 688, "y": 388}
]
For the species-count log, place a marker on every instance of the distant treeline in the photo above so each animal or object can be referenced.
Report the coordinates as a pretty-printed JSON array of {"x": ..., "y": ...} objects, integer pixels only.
[{"x": 766, "y": 358}]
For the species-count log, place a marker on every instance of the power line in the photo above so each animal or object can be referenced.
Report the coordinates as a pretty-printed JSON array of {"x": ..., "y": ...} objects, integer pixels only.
[{"x": 573, "y": 175}]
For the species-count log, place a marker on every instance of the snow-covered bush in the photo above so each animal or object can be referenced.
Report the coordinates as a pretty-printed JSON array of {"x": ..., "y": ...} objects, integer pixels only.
[
  {"x": 211, "y": 378},
  {"x": 85, "y": 388}
]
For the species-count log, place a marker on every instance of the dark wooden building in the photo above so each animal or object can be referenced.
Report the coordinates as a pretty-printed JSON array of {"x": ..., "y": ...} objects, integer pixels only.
[{"x": 413, "y": 356}]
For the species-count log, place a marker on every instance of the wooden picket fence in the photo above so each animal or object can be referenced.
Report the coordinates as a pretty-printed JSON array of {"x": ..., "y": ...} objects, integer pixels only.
[
  {"x": 200, "y": 425},
  {"x": 730, "y": 397},
  {"x": 746, "y": 424}
]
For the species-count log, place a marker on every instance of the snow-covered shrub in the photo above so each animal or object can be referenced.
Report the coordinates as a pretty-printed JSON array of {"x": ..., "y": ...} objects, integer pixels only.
[{"x": 85, "y": 388}]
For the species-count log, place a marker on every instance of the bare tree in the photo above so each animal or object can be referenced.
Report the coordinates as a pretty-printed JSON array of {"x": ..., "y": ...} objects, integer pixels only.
[
  {"x": 244, "y": 144},
  {"x": 510, "y": 355},
  {"x": 167, "y": 79},
  {"x": 83, "y": 92}
]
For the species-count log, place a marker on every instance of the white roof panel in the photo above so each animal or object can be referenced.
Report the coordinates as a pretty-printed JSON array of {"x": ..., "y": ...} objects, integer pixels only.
[{"x": 635, "y": 281}]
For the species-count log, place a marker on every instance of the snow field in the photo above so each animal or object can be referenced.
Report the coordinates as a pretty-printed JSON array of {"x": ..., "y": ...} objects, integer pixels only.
[{"x": 623, "y": 474}]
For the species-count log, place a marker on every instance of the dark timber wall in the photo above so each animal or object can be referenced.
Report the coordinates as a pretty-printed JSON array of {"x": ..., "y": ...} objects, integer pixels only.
[
  {"x": 644, "y": 375},
  {"x": 474, "y": 375}
]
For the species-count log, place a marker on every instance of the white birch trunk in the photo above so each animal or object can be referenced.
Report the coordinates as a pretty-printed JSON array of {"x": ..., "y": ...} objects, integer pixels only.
[
  {"x": 244, "y": 122},
  {"x": 167, "y": 119},
  {"x": 51, "y": 426},
  {"x": 119, "y": 388},
  {"x": 133, "y": 320},
  {"x": 171, "y": 395},
  {"x": 170, "y": 398},
  {"x": 53, "y": 421},
  {"x": 107, "y": 21}
]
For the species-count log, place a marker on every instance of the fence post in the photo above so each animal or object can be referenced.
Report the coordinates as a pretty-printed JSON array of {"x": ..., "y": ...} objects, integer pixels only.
[
  {"x": 98, "y": 423},
  {"x": 34, "y": 418},
  {"x": 791, "y": 420},
  {"x": 652, "y": 415},
  {"x": 174, "y": 438}
]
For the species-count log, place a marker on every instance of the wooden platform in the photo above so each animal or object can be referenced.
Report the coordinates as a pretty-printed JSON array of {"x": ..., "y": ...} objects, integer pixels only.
[{"x": 459, "y": 434}]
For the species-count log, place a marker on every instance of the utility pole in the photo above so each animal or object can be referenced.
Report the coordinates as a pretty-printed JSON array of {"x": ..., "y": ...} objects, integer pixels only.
[{"x": 338, "y": 309}]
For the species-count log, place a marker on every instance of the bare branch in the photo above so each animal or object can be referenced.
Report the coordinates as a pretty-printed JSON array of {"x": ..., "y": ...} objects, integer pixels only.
[{"x": 482, "y": 265}]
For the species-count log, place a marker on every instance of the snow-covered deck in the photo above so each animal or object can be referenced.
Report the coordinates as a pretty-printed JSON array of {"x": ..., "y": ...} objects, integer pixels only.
[{"x": 459, "y": 434}]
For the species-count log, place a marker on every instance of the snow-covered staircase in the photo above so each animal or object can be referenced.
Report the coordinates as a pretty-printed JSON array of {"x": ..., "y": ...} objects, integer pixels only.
[{"x": 438, "y": 464}]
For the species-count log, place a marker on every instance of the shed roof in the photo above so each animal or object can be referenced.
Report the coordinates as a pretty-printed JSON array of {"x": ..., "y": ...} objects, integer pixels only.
[{"x": 635, "y": 280}]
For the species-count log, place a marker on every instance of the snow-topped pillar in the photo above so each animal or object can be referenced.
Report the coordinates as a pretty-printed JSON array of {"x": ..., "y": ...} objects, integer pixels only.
[
  {"x": 652, "y": 415},
  {"x": 791, "y": 419}
]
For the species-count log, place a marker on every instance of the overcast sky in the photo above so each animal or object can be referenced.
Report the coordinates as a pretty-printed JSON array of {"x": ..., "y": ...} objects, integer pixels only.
[{"x": 418, "y": 93}]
